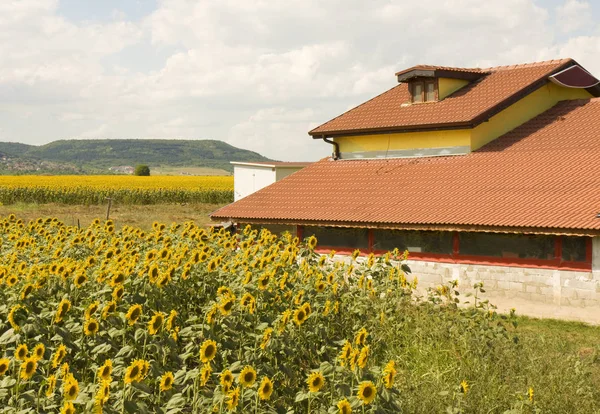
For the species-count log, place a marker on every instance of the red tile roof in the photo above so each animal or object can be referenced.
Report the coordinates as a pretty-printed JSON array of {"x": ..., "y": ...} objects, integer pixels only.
[
  {"x": 544, "y": 176},
  {"x": 467, "y": 107}
]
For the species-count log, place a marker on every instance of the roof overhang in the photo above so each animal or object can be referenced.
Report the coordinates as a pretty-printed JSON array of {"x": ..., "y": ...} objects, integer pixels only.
[{"x": 405, "y": 76}]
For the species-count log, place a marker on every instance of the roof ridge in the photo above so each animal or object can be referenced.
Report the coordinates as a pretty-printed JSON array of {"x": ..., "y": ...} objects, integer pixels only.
[{"x": 530, "y": 64}]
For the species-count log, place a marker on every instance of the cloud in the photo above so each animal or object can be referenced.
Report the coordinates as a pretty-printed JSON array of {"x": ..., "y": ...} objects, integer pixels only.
[
  {"x": 256, "y": 73},
  {"x": 573, "y": 15}
]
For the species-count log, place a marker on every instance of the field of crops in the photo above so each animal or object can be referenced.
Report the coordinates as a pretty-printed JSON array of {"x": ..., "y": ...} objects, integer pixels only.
[
  {"x": 186, "y": 319},
  {"x": 88, "y": 190}
]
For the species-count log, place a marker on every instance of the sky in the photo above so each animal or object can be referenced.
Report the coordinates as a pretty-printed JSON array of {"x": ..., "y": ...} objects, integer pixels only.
[{"x": 258, "y": 74}]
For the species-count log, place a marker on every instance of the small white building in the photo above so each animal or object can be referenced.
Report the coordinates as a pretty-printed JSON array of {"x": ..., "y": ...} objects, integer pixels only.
[{"x": 249, "y": 177}]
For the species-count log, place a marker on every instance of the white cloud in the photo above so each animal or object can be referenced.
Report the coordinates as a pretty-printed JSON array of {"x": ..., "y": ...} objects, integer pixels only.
[
  {"x": 573, "y": 15},
  {"x": 257, "y": 73}
]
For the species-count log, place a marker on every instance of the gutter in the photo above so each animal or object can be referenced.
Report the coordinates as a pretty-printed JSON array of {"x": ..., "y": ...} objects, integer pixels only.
[{"x": 336, "y": 147}]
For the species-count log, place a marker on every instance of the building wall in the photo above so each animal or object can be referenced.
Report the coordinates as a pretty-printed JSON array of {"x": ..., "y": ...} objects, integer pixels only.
[
  {"x": 281, "y": 173},
  {"x": 248, "y": 179},
  {"x": 447, "y": 86},
  {"x": 543, "y": 293}
]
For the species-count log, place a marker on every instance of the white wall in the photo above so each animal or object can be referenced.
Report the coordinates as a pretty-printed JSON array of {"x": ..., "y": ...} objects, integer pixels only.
[{"x": 248, "y": 179}]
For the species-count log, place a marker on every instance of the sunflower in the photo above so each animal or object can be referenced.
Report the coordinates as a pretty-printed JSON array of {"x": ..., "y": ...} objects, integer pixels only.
[
  {"x": 264, "y": 280},
  {"x": 363, "y": 356},
  {"x": 388, "y": 378},
  {"x": 361, "y": 337},
  {"x": 4, "y": 365},
  {"x": 320, "y": 286},
  {"x": 171, "y": 319},
  {"x": 307, "y": 309},
  {"x": 109, "y": 308},
  {"x": 68, "y": 408},
  {"x": 144, "y": 368},
  {"x": 117, "y": 279},
  {"x": 132, "y": 373},
  {"x": 464, "y": 386},
  {"x": 63, "y": 308},
  {"x": 205, "y": 374},
  {"x": 210, "y": 315},
  {"x": 266, "y": 338},
  {"x": 226, "y": 379},
  {"x": 247, "y": 376},
  {"x": 12, "y": 280},
  {"x": 11, "y": 317},
  {"x": 27, "y": 289},
  {"x": 118, "y": 292},
  {"x": 103, "y": 394},
  {"x": 60, "y": 353},
  {"x": 21, "y": 352},
  {"x": 50, "y": 386},
  {"x": 366, "y": 392},
  {"x": 91, "y": 309},
  {"x": 248, "y": 302},
  {"x": 70, "y": 387},
  {"x": 265, "y": 389},
  {"x": 208, "y": 350},
  {"x": 354, "y": 358},
  {"x": 91, "y": 327},
  {"x": 133, "y": 314},
  {"x": 156, "y": 323},
  {"x": 38, "y": 351},
  {"x": 300, "y": 316},
  {"x": 233, "y": 398},
  {"x": 166, "y": 381},
  {"x": 530, "y": 394},
  {"x": 345, "y": 353},
  {"x": 315, "y": 381},
  {"x": 312, "y": 242},
  {"x": 80, "y": 279},
  {"x": 344, "y": 407},
  {"x": 105, "y": 371},
  {"x": 226, "y": 305}
]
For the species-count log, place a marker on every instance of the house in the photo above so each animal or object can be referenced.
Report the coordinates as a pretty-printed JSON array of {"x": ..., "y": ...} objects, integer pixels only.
[
  {"x": 485, "y": 175},
  {"x": 249, "y": 177}
]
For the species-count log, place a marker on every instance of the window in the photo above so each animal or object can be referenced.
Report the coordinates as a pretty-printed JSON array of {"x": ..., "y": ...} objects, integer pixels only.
[
  {"x": 423, "y": 90},
  {"x": 339, "y": 237},
  {"x": 574, "y": 249},
  {"x": 516, "y": 246},
  {"x": 273, "y": 228},
  {"x": 437, "y": 242}
]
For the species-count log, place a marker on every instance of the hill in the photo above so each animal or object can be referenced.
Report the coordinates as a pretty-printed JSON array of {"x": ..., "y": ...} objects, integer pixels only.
[{"x": 97, "y": 156}]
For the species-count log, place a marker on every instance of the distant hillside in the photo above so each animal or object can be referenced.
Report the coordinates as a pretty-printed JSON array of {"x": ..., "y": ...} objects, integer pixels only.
[{"x": 93, "y": 156}]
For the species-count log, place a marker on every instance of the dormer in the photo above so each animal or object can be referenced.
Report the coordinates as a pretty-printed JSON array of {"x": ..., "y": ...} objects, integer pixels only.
[{"x": 434, "y": 83}]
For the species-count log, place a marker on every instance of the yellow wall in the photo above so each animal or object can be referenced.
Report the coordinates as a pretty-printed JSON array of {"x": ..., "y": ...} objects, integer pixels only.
[
  {"x": 446, "y": 86},
  {"x": 522, "y": 111},
  {"x": 405, "y": 140},
  {"x": 513, "y": 116}
]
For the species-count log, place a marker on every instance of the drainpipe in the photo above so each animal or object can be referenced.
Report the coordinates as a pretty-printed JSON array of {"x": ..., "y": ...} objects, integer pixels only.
[{"x": 336, "y": 150}]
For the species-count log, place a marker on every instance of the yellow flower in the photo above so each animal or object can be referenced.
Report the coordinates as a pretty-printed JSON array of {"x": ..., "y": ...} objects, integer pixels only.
[
  {"x": 21, "y": 352},
  {"x": 59, "y": 355},
  {"x": 464, "y": 386},
  {"x": 312, "y": 242},
  {"x": 315, "y": 381},
  {"x": 170, "y": 319},
  {"x": 208, "y": 351},
  {"x": 80, "y": 279},
  {"x": 205, "y": 374},
  {"x": 361, "y": 337},
  {"x": 166, "y": 381},
  {"x": 320, "y": 286},
  {"x": 345, "y": 353},
  {"x": 70, "y": 388},
  {"x": 51, "y": 386},
  {"x": 91, "y": 309},
  {"x": 263, "y": 280},
  {"x": 300, "y": 316},
  {"x": 38, "y": 351},
  {"x": 27, "y": 289},
  {"x": 285, "y": 318},
  {"x": 247, "y": 377},
  {"x": 91, "y": 327},
  {"x": 118, "y": 293},
  {"x": 156, "y": 323},
  {"x": 105, "y": 371},
  {"x": 144, "y": 368},
  {"x": 266, "y": 338},
  {"x": 133, "y": 314},
  {"x": 108, "y": 309},
  {"x": 28, "y": 368},
  {"x": 103, "y": 395},
  {"x": 226, "y": 379},
  {"x": 63, "y": 308},
  {"x": 4, "y": 365},
  {"x": 265, "y": 389},
  {"x": 133, "y": 372},
  {"x": 11, "y": 317},
  {"x": 210, "y": 315},
  {"x": 248, "y": 302},
  {"x": 344, "y": 407},
  {"x": 530, "y": 394},
  {"x": 233, "y": 398},
  {"x": 226, "y": 305},
  {"x": 68, "y": 408},
  {"x": 366, "y": 392},
  {"x": 362, "y": 358}
]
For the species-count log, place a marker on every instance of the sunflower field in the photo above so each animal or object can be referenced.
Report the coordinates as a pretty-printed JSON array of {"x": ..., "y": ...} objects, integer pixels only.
[
  {"x": 95, "y": 189},
  {"x": 184, "y": 319}
]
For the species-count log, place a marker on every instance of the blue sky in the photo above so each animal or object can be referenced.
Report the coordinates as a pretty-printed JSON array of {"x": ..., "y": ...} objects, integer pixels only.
[{"x": 255, "y": 73}]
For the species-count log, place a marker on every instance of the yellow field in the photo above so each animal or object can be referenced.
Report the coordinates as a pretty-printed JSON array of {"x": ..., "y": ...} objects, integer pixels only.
[{"x": 89, "y": 190}]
